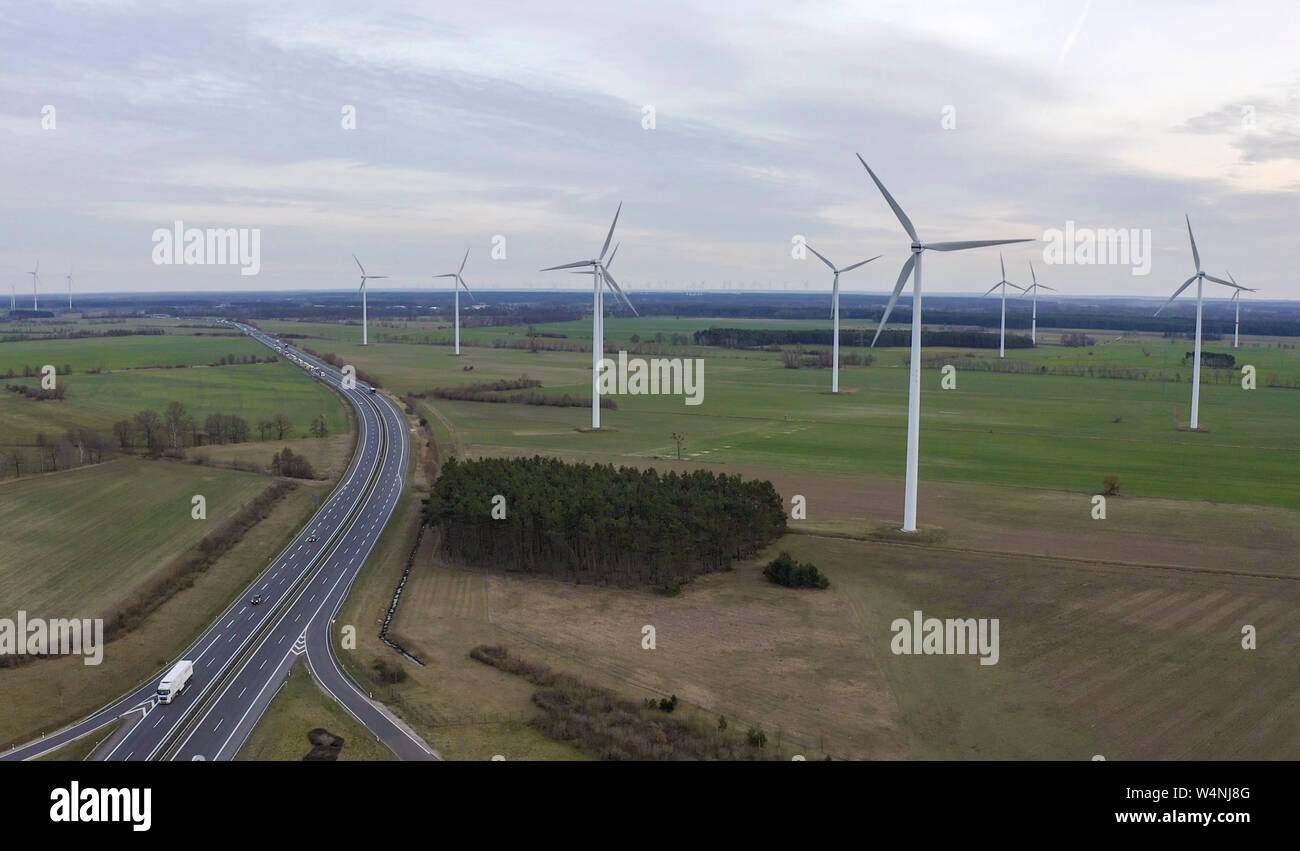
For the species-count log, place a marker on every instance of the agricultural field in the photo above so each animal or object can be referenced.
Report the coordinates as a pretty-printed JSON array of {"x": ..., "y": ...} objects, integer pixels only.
[
  {"x": 98, "y": 532},
  {"x": 1059, "y": 432}
]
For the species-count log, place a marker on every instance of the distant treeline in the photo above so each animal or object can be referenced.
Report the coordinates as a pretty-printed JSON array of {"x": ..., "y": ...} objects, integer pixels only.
[
  {"x": 600, "y": 524},
  {"x": 75, "y": 448},
  {"x": 757, "y": 338},
  {"x": 491, "y": 391},
  {"x": 967, "y": 362}
]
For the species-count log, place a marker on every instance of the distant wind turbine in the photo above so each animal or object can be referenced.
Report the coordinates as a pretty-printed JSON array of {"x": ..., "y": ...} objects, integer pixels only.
[
  {"x": 69, "y": 288},
  {"x": 599, "y": 273},
  {"x": 1200, "y": 278},
  {"x": 13, "y": 297},
  {"x": 835, "y": 313},
  {"x": 460, "y": 282},
  {"x": 1236, "y": 325},
  {"x": 1034, "y": 288},
  {"x": 35, "y": 279},
  {"x": 913, "y": 267},
  {"x": 1004, "y": 283},
  {"x": 364, "y": 277}
]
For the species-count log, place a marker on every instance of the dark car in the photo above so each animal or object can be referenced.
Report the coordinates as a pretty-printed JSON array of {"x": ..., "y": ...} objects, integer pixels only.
[
  {"x": 257, "y": 600},
  {"x": 312, "y": 539}
]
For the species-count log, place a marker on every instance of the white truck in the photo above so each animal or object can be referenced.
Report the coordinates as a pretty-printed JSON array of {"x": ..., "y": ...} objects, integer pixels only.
[{"x": 175, "y": 681}]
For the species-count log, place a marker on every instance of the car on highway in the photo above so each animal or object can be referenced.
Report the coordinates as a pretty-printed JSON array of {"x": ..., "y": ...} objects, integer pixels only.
[
  {"x": 312, "y": 539},
  {"x": 256, "y": 600}
]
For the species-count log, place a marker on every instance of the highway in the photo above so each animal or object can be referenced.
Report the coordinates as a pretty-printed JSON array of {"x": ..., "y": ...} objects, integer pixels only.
[{"x": 245, "y": 655}]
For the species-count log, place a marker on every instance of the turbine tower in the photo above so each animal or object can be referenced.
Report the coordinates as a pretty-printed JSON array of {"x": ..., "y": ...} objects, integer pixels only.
[
  {"x": 13, "y": 297},
  {"x": 599, "y": 273},
  {"x": 460, "y": 282},
  {"x": 362, "y": 290},
  {"x": 35, "y": 279},
  {"x": 69, "y": 288},
  {"x": 1236, "y": 324},
  {"x": 1004, "y": 283},
  {"x": 835, "y": 314},
  {"x": 1034, "y": 288},
  {"x": 913, "y": 267},
  {"x": 1200, "y": 278}
]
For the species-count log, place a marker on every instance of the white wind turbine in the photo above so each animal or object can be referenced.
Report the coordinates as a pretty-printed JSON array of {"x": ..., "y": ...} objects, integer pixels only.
[
  {"x": 69, "y": 288},
  {"x": 460, "y": 282},
  {"x": 599, "y": 273},
  {"x": 35, "y": 279},
  {"x": 1034, "y": 288},
  {"x": 1004, "y": 283},
  {"x": 913, "y": 267},
  {"x": 835, "y": 313},
  {"x": 1200, "y": 278},
  {"x": 1236, "y": 324},
  {"x": 364, "y": 277},
  {"x": 13, "y": 297}
]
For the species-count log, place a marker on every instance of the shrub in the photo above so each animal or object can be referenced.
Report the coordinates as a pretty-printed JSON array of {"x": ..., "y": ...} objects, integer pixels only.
[
  {"x": 784, "y": 570},
  {"x": 1111, "y": 485}
]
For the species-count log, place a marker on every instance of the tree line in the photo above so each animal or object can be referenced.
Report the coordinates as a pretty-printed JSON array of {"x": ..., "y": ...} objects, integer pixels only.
[
  {"x": 176, "y": 429},
  {"x": 595, "y": 523}
]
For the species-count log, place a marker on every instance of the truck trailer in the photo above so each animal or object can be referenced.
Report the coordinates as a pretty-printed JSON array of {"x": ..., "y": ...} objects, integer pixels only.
[{"x": 175, "y": 681}]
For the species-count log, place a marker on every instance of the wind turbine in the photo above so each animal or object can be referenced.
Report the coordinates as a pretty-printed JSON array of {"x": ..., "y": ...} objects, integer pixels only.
[
  {"x": 1200, "y": 278},
  {"x": 1034, "y": 288},
  {"x": 1004, "y": 283},
  {"x": 69, "y": 288},
  {"x": 1236, "y": 325},
  {"x": 460, "y": 282},
  {"x": 835, "y": 314},
  {"x": 362, "y": 290},
  {"x": 13, "y": 297},
  {"x": 35, "y": 278},
  {"x": 913, "y": 267},
  {"x": 599, "y": 272}
]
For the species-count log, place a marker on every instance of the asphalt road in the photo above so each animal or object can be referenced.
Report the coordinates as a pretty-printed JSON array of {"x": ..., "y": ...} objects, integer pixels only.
[{"x": 244, "y": 656}]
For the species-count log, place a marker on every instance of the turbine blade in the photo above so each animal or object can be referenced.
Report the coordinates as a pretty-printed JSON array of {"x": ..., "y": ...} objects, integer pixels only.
[
  {"x": 1032, "y": 274},
  {"x": 994, "y": 287},
  {"x": 1196, "y": 255},
  {"x": 461, "y": 281},
  {"x": 359, "y": 266},
  {"x": 898, "y": 211},
  {"x": 856, "y": 265},
  {"x": 1226, "y": 284},
  {"x": 610, "y": 235},
  {"x": 609, "y": 280},
  {"x": 898, "y": 288},
  {"x": 570, "y": 265},
  {"x": 1004, "y": 266},
  {"x": 819, "y": 255},
  {"x": 1187, "y": 283},
  {"x": 448, "y": 275},
  {"x": 614, "y": 254},
  {"x": 974, "y": 243},
  {"x": 463, "y": 262}
]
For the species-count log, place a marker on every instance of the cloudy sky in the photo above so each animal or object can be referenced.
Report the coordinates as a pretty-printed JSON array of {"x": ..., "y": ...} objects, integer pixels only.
[{"x": 527, "y": 121}]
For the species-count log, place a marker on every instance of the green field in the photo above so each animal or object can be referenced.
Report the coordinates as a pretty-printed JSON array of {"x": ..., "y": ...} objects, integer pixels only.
[
  {"x": 98, "y": 532},
  {"x": 255, "y": 392},
  {"x": 114, "y": 353},
  {"x": 1034, "y": 431}
]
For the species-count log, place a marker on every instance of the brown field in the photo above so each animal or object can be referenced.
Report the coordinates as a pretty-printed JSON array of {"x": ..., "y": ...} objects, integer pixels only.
[{"x": 1102, "y": 651}]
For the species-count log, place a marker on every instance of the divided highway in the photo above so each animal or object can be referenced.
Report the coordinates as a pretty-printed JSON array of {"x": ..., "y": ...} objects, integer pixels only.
[{"x": 245, "y": 655}]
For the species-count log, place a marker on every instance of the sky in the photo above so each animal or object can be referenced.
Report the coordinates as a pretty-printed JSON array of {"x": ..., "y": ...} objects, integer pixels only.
[{"x": 407, "y": 133}]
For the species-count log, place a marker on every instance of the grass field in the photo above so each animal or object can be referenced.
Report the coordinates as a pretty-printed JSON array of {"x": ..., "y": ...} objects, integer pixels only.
[
  {"x": 99, "y": 532},
  {"x": 115, "y": 353},
  {"x": 1053, "y": 432},
  {"x": 255, "y": 392},
  {"x": 298, "y": 708}
]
